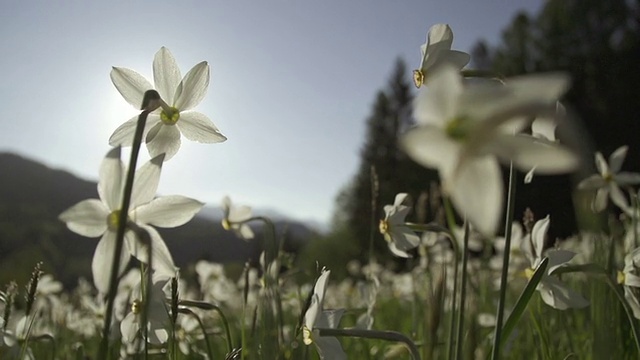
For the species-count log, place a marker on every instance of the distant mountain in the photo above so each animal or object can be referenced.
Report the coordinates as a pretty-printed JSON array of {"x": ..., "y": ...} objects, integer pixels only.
[{"x": 33, "y": 195}]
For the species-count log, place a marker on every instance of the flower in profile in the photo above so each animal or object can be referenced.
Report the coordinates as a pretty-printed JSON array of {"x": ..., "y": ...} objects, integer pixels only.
[
  {"x": 100, "y": 217},
  {"x": 399, "y": 236},
  {"x": 235, "y": 219},
  {"x": 631, "y": 281},
  {"x": 437, "y": 50},
  {"x": 328, "y": 347},
  {"x": 158, "y": 321},
  {"x": 608, "y": 181},
  {"x": 553, "y": 292},
  {"x": 165, "y": 126},
  {"x": 464, "y": 130}
]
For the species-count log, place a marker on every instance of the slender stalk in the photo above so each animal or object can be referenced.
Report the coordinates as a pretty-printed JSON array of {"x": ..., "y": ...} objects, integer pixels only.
[
  {"x": 374, "y": 334},
  {"x": 463, "y": 290},
  {"x": 202, "y": 328},
  {"x": 151, "y": 102},
  {"x": 511, "y": 199},
  {"x": 456, "y": 249}
]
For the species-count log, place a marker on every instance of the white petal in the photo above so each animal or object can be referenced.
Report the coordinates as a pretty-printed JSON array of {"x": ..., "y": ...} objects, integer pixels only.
[
  {"x": 397, "y": 252},
  {"x": 627, "y": 178},
  {"x": 145, "y": 183},
  {"x": 557, "y": 258},
  {"x": 329, "y": 348},
  {"x": 527, "y": 152},
  {"x": 163, "y": 139},
  {"x": 477, "y": 192},
  {"x": 617, "y": 158},
  {"x": 124, "y": 134},
  {"x": 193, "y": 87},
  {"x": 197, "y": 127},
  {"x": 87, "y": 218},
  {"x": 600, "y": 201},
  {"x": 632, "y": 301},
  {"x": 601, "y": 164},
  {"x": 111, "y": 179},
  {"x": 166, "y": 74},
  {"x": 546, "y": 87},
  {"x": 430, "y": 147},
  {"x": 631, "y": 280},
  {"x": 129, "y": 328},
  {"x": 399, "y": 199},
  {"x": 456, "y": 58},
  {"x": 618, "y": 198},
  {"x": 593, "y": 182},
  {"x": 438, "y": 103},
  {"x": 558, "y": 296},
  {"x": 404, "y": 238},
  {"x": 103, "y": 260},
  {"x": 539, "y": 235},
  {"x": 162, "y": 261},
  {"x": 529, "y": 176},
  {"x": 330, "y": 318},
  {"x": 168, "y": 211},
  {"x": 544, "y": 128},
  {"x": 439, "y": 40},
  {"x": 130, "y": 85}
]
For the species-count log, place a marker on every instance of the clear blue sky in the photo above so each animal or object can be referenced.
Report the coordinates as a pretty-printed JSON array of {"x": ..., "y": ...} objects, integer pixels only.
[{"x": 292, "y": 83}]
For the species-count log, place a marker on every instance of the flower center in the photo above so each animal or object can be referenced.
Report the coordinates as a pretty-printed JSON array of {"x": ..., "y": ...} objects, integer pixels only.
[
  {"x": 226, "y": 224},
  {"x": 608, "y": 177},
  {"x": 528, "y": 273},
  {"x": 170, "y": 117},
  {"x": 383, "y": 226},
  {"x": 113, "y": 220},
  {"x": 620, "y": 277},
  {"x": 418, "y": 78},
  {"x": 136, "y": 306},
  {"x": 458, "y": 128},
  {"x": 306, "y": 336}
]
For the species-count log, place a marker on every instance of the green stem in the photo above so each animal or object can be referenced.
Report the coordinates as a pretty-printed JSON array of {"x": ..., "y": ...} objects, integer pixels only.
[
  {"x": 150, "y": 103},
  {"x": 451, "y": 221},
  {"x": 505, "y": 262},
  {"x": 463, "y": 288},
  {"x": 373, "y": 334},
  {"x": 202, "y": 328}
]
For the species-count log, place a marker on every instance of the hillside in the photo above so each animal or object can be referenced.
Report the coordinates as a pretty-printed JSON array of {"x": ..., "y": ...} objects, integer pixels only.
[{"x": 33, "y": 195}]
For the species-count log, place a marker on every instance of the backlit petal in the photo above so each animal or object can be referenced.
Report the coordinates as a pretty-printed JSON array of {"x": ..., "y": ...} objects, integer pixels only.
[
  {"x": 102, "y": 261},
  {"x": 87, "y": 218},
  {"x": 131, "y": 85},
  {"x": 193, "y": 87},
  {"x": 196, "y": 126},
  {"x": 166, "y": 74},
  {"x": 165, "y": 139},
  {"x": 168, "y": 211},
  {"x": 145, "y": 183},
  {"x": 111, "y": 179}
]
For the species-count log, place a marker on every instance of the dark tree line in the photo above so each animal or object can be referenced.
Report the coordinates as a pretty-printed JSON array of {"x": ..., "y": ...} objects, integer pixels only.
[{"x": 597, "y": 42}]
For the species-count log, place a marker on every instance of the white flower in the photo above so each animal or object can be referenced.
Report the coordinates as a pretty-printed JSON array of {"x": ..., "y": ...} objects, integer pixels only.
[
  {"x": 463, "y": 131},
  {"x": 235, "y": 218},
  {"x": 553, "y": 292},
  {"x": 437, "y": 50},
  {"x": 157, "y": 314},
  {"x": 608, "y": 181},
  {"x": 328, "y": 347},
  {"x": 629, "y": 278},
  {"x": 398, "y": 236},
  {"x": 163, "y": 128},
  {"x": 99, "y": 217}
]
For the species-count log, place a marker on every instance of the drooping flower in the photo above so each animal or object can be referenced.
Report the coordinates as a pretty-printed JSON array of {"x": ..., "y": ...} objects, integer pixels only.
[
  {"x": 464, "y": 130},
  {"x": 608, "y": 181},
  {"x": 399, "y": 236},
  {"x": 631, "y": 281},
  {"x": 157, "y": 322},
  {"x": 164, "y": 128},
  {"x": 99, "y": 217},
  {"x": 553, "y": 291},
  {"x": 328, "y": 347},
  {"x": 437, "y": 50},
  {"x": 235, "y": 217}
]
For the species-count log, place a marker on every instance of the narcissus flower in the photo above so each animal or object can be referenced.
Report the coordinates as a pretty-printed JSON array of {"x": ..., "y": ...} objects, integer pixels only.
[
  {"x": 631, "y": 281},
  {"x": 398, "y": 235},
  {"x": 608, "y": 181},
  {"x": 164, "y": 128},
  {"x": 158, "y": 321},
  {"x": 99, "y": 217},
  {"x": 553, "y": 291},
  {"x": 437, "y": 50},
  {"x": 329, "y": 347},
  {"x": 464, "y": 130},
  {"x": 235, "y": 217}
]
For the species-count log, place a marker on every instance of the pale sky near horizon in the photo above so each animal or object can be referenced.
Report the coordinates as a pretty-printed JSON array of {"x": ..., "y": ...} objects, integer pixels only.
[{"x": 292, "y": 83}]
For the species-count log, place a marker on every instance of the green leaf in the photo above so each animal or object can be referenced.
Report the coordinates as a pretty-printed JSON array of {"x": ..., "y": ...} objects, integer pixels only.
[{"x": 523, "y": 300}]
